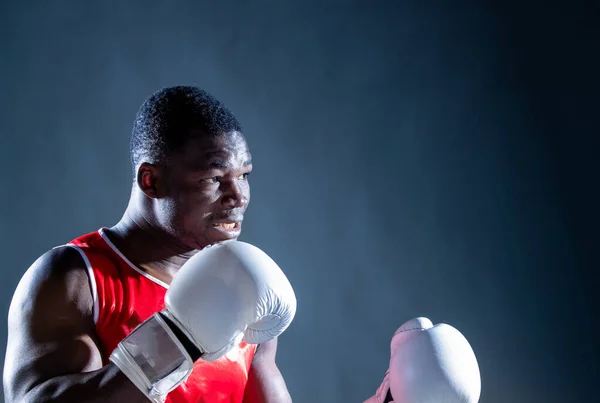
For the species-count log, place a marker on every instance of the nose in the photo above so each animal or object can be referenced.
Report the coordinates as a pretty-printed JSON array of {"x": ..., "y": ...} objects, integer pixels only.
[{"x": 234, "y": 196}]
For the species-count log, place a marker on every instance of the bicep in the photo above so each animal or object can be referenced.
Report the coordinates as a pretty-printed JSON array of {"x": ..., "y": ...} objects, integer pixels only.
[
  {"x": 50, "y": 324},
  {"x": 265, "y": 381}
]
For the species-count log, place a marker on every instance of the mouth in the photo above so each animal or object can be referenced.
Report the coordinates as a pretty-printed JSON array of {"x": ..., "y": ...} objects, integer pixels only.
[
  {"x": 230, "y": 229},
  {"x": 227, "y": 225}
]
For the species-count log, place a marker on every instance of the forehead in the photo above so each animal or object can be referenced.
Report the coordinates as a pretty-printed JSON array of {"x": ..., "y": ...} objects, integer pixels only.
[{"x": 203, "y": 152}]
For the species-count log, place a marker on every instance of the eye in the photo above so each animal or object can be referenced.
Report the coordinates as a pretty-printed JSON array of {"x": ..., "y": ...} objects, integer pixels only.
[
  {"x": 211, "y": 181},
  {"x": 244, "y": 176}
]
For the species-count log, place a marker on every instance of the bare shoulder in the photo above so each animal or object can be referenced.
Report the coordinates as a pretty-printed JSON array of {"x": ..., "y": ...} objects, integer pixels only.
[
  {"x": 50, "y": 323},
  {"x": 57, "y": 278}
]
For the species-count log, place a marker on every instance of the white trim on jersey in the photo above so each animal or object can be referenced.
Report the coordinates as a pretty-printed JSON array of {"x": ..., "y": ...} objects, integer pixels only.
[
  {"x": 118, "y": 252},
  {"x": 91, "y": 277}
]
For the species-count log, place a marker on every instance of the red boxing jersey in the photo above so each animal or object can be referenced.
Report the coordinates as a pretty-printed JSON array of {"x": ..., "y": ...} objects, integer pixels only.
[{"x": 125, "y": 296}]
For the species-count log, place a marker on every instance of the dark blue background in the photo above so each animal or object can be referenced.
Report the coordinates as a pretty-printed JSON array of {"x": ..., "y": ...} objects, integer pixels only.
[{"x": 411, "y": 159}]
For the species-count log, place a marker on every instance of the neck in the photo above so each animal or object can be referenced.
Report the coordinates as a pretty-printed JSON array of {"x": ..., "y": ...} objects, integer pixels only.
[{"x": 148, "y": 246}]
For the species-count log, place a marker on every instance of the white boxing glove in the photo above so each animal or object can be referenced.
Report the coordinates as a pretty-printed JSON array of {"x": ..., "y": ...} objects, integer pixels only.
[
  {"x": 224, "y": 294},
  {"x": 431, "y": 364}
]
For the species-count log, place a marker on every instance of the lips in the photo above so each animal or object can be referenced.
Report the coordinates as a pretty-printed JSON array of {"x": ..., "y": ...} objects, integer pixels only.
[{"x": 229, "y": 226}]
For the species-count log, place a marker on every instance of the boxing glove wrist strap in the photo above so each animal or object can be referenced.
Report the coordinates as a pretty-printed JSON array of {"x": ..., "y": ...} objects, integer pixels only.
[
  {"x": 155, "y": 356},
  {"x": 192, "y": 350}
]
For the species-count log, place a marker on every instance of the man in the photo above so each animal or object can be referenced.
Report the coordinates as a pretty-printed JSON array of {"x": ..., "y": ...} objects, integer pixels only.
[{"x": 77, "y": 302}]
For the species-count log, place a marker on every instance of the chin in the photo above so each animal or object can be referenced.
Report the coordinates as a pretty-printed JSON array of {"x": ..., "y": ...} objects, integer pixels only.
[
  {"x": 205, "y": 240},
  {"x": 214, "y": 240}
]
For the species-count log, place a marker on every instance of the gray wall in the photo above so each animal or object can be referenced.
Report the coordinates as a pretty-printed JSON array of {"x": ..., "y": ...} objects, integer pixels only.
[{"x": 413, "y": 159}]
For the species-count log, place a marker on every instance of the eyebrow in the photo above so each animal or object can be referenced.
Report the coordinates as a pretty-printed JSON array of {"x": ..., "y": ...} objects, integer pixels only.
[{"x": 220, "y": 164}]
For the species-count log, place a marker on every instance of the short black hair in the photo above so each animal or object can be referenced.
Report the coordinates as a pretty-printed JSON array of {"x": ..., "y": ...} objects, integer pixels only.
[{"x": 164, "y": 121}]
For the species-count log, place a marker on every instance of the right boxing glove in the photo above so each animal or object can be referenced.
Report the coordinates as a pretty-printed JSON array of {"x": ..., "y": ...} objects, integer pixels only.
[{"x": 224, "y": 294}]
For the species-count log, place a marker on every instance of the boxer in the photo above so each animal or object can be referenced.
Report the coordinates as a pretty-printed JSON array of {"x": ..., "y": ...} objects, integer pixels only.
[
  {"x": 429, "y": 364},
  {"x": 166, "y": 305}
]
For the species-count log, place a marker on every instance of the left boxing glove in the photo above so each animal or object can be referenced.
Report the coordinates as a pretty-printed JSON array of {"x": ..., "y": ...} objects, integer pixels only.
[
  {"x": 432, "y": 364},
  {"x": 429, "y": 364},
  {"x": 224, "y": 294}
]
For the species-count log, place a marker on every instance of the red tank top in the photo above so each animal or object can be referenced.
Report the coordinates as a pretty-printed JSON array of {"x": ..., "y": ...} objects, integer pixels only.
[{"x": 124, "y": 296}]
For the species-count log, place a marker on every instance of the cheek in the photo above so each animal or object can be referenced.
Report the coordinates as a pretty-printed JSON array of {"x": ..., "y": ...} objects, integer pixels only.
[
  {"x": 195, "y": 204},
  {"x": 183, "y": 207}
]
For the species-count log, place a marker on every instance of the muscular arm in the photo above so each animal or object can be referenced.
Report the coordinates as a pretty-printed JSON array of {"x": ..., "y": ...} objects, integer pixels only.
[
  {"x": 52, "y": 352},
  {"x": 265, "y": 382}
]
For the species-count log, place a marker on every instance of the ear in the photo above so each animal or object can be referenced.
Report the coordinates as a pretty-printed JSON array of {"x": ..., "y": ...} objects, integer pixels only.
[{"x": 149, "y": 180}]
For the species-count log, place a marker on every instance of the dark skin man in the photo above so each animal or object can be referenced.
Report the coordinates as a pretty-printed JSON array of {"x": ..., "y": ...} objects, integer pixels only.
[{"x": 177, "y": 208}]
